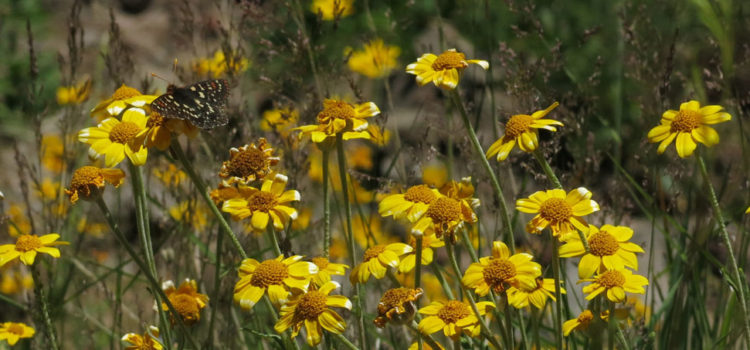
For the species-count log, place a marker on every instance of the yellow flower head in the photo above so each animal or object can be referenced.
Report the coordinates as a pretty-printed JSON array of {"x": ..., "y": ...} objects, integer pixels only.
[
  {"x": 14, "y": 280},
  {"x": 376, "y": 60},
  {"x": 537, "y": 295},
  {"x": 376, "y": 261},
  {"x": 190, "y": 214},
  {"x": 116, "y": 139},
  {"x": 453, "y": 317},
  {"x": 501, "y": 270},
  {"x": 27, "y": 246},
  {"x": 47, "y": 190},
  {"x": 248, "y": 163},
  {"x": 218, "y": 65},
  {"x": 462, "y": 191},
  {"x": 325, "y": 269},
  {"x": 435, "y": 175},
  {"x": 265, "y": 205},
  {"x": 19, "y": 222},
  {"x": 581, "y": 322},
  {"x": 339, "y": 116},
  {"x": 74, "y": 94},
  {"x": 150, "y": 340},
  {"x": 225, "y": 192},
  {"x": 443, "y": 70},
  {"x": 124, "y": 97},
  {"x": 12, "y": 332},
  {"x": 615, "y": 283},
  {"x": 185, "y": 299},
  {"x": 88, "y": 181},
  {"x": 609, "y": 249},
  {"x": 312, "y": 309},
  {"x": 398, "y": 305},
  {"x": 331, "y": 10},
  {"x": 561, "y": 212},
  {"x": 53, "y": 157},
  {"x": 411, "y": 205},
  {"x": 280, "y": 120},
  {"x": 409, "y": 261},
  {"x": 276, "y": 276},
  {"x": 171, "y": 176},
  {"x": 523, "y": 129},
  {"x": 688, "y": 125},
  {"x": 444, "y": 216}
]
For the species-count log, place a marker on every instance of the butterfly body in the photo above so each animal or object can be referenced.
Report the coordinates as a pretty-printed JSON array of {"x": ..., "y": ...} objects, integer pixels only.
[{"x": 202, "y": 103}]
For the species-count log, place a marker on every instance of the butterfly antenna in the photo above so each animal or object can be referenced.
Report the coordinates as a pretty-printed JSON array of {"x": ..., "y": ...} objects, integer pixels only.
[
  {"x": 160, "y": 77},
  {"x": 174, "y": 66}
]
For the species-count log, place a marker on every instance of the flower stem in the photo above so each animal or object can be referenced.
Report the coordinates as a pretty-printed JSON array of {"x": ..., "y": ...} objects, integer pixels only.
[
  {"x": 41, "y": 298},
  {"x": 418, "y": 280},
  {"x": 273, "y": 240},
  {"x": 427, "y": 338},
  {"x": 217, "y": 287},
  {"x": 740, "y": 294},
  {"x": 345, "y": 341},
  {"x": 326, "y": 207},
  {"x": 486, "y": 165},
  {"x": 612, "y": 325},
  {"x": 558, "y": 294}
]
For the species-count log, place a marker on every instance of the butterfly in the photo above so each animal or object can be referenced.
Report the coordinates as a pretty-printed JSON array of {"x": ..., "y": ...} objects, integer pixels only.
[{"x": 202, "y": 104}]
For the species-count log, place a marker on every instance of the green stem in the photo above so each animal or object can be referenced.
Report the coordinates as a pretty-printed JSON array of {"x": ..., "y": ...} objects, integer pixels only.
[
  {"x": 272, "y": 239},
  {"x": 326, "y": 207},
  {"x": 611, "y": 326},
  {"x": 44, "y": 308},
  {"x": 558, "y": 294},
  {"x": 418, "y": 280},
  {"x": 217, "y": 286},
  {"x": 427, "y": 338},
  {"x": 486, "y": 165},
  {"x": 345, "y": 341}
]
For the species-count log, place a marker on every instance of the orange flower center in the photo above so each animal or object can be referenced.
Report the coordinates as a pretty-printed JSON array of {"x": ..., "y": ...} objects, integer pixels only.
[
  {"x": 453, "y": 311},
  {"x": 497, "y": 272},
  {"x": 686, "y": 121},
  {"x": 249, "y": 161},
  {"x": 611, "y": 278},
  {"x": 373, "y": 252},
  {"x": 448, "y": 60},
  {"x": 16, "y": 329},
  {"x": 335, "y": 109},
  {"x": 603, "y": 244},
  {"x": 420, "y": 194},
  {"x": 124, "y": 132},
  {"x": 517, "y": 125},
  {"x": 124, "y": 92},
  {"x": 555, "y": 210},
  {"x": 186, "y": 306},
  {"x": 27, "y": 243},
  {"x": 444, "y": 210},
  {"x": 261, "y": 201},
  {"x": 86, "y": 176},
  {"x": 155, "y": 120},
  {"x": 310, "y": 306},
  {"x": 396, "y": 298},
  {"x": 320, "y": 262},
  {"x": 268, "y": 273},
  {"x": 585, "y": 317}
]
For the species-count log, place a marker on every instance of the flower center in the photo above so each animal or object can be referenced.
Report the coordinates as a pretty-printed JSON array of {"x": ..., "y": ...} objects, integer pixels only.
[
  {"x": 453, "y": 311},
  {"x": 310, "y": 306},
  {"x": 335, "y": 109},
  {"x": 261, "y": 201},
  {"x": 373, "y": 252},
  {"x": 555, "y": 210},
  {"x": 248, "y": 162},
  {"x": 320, "y": 262},
  {"x": 123, "y": 132},
  {"x": 420, "y": 194},
  {"x": 185, "y": 305},
  {"x": 16, "y": 329},
  {"x": 603, "y": 244},
  {"x": 585, "y": 317},
  {"x": 85, "y": 176},
  {"x": 155, "y": 119},
  {"x": 497, "y": 272},
  {"x": 444, "y": 210},
  {"x": 394, "y": 298},
  {"x": 686, "y": 121},
  {"x": 268, "y": 273},
  {"x": 517, "y": 125},
  {"x": 124, "y": 92},
  {"x": 611, "y": 279},
  {"x": 450, "y": 59},
  {"x": 27, "y": 243}
]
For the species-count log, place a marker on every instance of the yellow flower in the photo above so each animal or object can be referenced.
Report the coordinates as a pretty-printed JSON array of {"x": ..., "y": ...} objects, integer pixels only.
[
  {"x": 397, "y": 305},
  {"x": 501, "y": 270},
  {"x": 312, "y": 309},
  {"x": 115, "y": 139},
  {"x": 462, "y": 191},
  {"x": 609, "y": 249},
  {"x": 409, "y": 261},
  {"x": 225, "y": 192},
  {"x": 443, "y": 70},
  {"x": 425, "y": 346},
  {"x": 159, "y": 130},
  {"x": 47, "y": 190},
  {"x": 185, "y": 299},
  {"x": 615, "y": 283},
  {"x": 74, "y": 94},
  {"x": 537, "y": 295},
  {"x": 280, "y": 120},
  {"x": 19, "y": 222},
  {"x": 453, "y": 317},
  {"x": 190, "y": 213},
  {"x": 435, "y": 175},
  {"x": 276, "y": 276},
  {"x": 412, "y": 204},
  {"x": 359, "y": 157},
  {"x": 376, "y": 60},
  {"x": 12, "y": 332},
  {"x": 53, "y": 157},
  {"x": 248, "y": 163},
  {"x": 331, "y": 10},
  {"x": 171, "y": 176},
  {"x": 303, "y": 219},
  {"x": 95, "y": 229},
  {"x": 581, "y": 322},
  {"x": 747, "y": 211},
  {"x": 688, "y": 125},
  {"x": 444, "y": 215},
  {"x": 150, "y": 340},
  {"x": 523, "y": 129},
  {"x": 264, "y": 205},
  {"x": 27, "y": 246},
  {"x": 559, "y": 211},
  {"x": 124, "y": 97},
  {"x": 337, "y": 117},
  {"x": 376, "y": 261},
  {"x": 88, "y": 181},
  {"x": 325, "y": 270},
  {"x": 218, "y": 65},
  {"x": 14, "y": 280}
]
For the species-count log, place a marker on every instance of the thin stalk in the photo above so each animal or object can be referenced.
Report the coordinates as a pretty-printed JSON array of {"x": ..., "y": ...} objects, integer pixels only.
[
  {"x": 488, "y": 169},
  {"x": 427, "y": 338},
  {"x": 418, "y": 280},
  {"x": 41, "y": 298},
  {"x": 272, "y": 239},
  {"x": 345, "y": 341},
  {"x": 558, "y": 294},
  {"x": 621, "y": 338},
  {"x": 611, "y": 326},
  {"x": 217, "y": 286},
  {"x": 326, "y": 207},
  {"x": 508, "y": 321}
]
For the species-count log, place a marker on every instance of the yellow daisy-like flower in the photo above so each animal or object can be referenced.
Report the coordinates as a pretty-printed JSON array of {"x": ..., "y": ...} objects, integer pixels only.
[
  {"x": 88, "y": 181},
  {"x": 276, "y": 276},
  {"x": 523, "y": 295},
  {"x": 159, "y": 130},
  {"x": 409, "y": 261},
  {"x": 124, "y": 97},
  {"x": 339, "y": 116},
  {"x": 264, "y": 205},
  {"x": 47, "y": 190},
  {"x": 218, "y": 65},
  {"x": 435, "y": 175},
  {"x": 171, "y": 176},
  {"x": 14, "y": 280},
  {"x": 747, "y": 211},
  {"x": 523, "y": 129},
  {"x": 453, "y": 317},
  {"x": 248, "y": 163},
  {"x": 331, "y": 10},
  {"x": 225, "y": 192},
  {"x": 377, "y": 260},
  {"x": 74, "y": 94},
  {"x": 20, "y": 224},
  {"x": 688, "y": 125},
  {"x": 281, "y": 120},
  {"x": 326, "y": 269},
  {"x": 191, "y": 214},
  {"x": 609, "y": 249},
  {"x": 312, "y": 309},
  {"x": 501, "y": 270},
  {"x": 615, "y": 283},
  {"x": 398, "y": 305},
  {"x": 376, "y": 60},
  {"x": 411, "y": 204},
  {"x": 580, "y": 323},
  {"x": 462, "y": 191},
  {"x": 12, "y": 332},
  {"x": 444, "y": 216},
  {"x": 27, "y": 246},
  {"x": 116, "y": 139},
  {"x": 443, "y": 70},
  {"x": 561, "y": 212},
  {"x": 185, "y": 299},
  {"x": 53, "y": 157},
  {"x": 150, "y": 340}
]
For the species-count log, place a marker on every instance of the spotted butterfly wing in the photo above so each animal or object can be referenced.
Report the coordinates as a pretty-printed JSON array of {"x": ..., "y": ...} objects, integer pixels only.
[{"x": 202, "y": 104}]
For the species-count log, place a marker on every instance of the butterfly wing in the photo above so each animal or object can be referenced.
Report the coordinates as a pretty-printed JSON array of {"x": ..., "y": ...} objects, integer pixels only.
[{"x": 202, "y": 104}]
